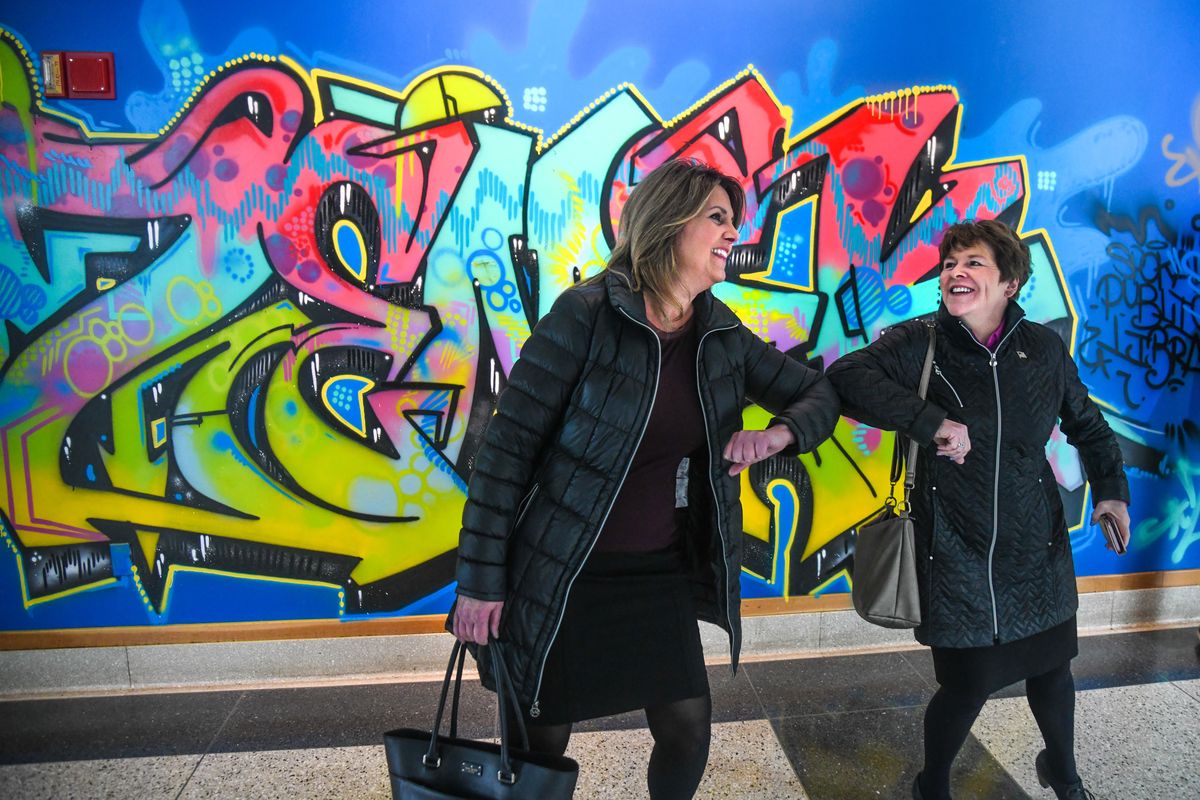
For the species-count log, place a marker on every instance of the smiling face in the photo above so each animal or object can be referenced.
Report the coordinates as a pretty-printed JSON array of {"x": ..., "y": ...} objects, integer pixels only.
[
  {"x": 703, "y": 244},
  {"x": 972, "y": 288}
]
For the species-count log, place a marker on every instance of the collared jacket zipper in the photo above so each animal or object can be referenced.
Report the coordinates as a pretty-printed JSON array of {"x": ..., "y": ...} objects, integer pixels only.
[
  {"x": 534, "y": 710},
  {"x": 992, "y": 362},
  {"x": 713, "y": 488}
]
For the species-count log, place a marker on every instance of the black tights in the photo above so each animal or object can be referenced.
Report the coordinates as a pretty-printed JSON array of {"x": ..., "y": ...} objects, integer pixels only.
[
  {"x": 950, "y": 714},
  {"x": 681, "y": 732}
]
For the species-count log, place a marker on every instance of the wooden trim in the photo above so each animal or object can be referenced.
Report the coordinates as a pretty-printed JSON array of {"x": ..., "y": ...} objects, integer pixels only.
[
  {"x": 219, "y": 632},
  {"x": 435, "y": 623},
  {"x": 1181, "y": 577},
  {"x": 768, "y": 606},
  {"x": 1139, "y": 580}
]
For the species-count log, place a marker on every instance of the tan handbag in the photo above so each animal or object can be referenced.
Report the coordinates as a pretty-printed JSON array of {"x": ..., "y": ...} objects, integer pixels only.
[{"x": 883, "y": 581}]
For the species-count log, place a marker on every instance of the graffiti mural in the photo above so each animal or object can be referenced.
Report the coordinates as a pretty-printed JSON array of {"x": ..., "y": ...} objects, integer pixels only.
[{"x": 247, "y": 357}]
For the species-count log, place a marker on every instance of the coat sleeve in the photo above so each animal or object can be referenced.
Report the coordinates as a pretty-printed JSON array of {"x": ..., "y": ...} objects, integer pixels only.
[
  {"x": 799, "y": 396},
  {"x": 1088, "y": 431},
  {"x": 878, "y": 384},
  {"x": 528, "y": 412}
]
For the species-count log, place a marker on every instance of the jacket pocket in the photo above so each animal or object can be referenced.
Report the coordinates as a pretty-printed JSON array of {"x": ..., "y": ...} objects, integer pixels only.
[
  {"x": 935, "y": 521},
  {"x": 946, "y": 380},
  {"x": 523, "y": 508},
  {"x": 1053, "y": 530}
]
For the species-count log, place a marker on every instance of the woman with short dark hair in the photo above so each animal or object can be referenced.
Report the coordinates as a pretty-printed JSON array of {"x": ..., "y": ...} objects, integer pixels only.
[
  {"x": 996, "y": 577},
  {"x": 603, "y": 514}
]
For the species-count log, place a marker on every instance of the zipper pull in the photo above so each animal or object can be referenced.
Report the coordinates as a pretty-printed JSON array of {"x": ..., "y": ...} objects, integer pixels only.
[
  {"x": 534, "y": 711},
  {"x": 992, "y": 361}
]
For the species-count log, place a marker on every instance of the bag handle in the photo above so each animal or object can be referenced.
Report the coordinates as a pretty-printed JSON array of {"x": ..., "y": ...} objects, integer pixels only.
[
  {"x": 910, "y": 473},
  {"x": 910, "y": 462},
  {"x": 507, "y": 689},
  {"x": 432, "y": 758},
  {"x": 505, "y": 696},
  {"x": 454, "y": 702}
]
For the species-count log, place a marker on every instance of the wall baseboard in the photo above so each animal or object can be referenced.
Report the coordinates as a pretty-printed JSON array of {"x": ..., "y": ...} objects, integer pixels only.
[
  {"x": 253, "y": 661},
  {"x": 436, "y": 623}
]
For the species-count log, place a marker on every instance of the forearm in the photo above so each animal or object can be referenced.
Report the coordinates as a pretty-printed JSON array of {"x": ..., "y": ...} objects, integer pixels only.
[{"x": 869, "y": 395}]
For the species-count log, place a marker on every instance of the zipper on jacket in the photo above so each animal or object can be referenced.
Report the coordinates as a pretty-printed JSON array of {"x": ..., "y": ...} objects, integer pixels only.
[
  {"x": 995, "y": 498},
  {"x": 713, "y": 487},
  {"x": 534, "y": 710},
  {"x": 938, "y": 370},
  {"x": 992, "y": 356}
]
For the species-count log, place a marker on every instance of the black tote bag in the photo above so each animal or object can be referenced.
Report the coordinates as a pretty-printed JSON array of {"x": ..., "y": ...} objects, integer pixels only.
[{"x": 424, "y": 765}]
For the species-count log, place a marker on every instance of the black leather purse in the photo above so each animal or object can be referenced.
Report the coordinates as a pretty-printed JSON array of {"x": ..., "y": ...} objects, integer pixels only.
[{"x": 425, "y": 765}]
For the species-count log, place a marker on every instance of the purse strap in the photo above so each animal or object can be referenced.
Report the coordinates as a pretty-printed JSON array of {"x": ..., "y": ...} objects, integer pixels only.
[
  {"x": 910, "y": 462},
  {"x": 432, "y": 758},
  {"x": 506, "y": 697}
]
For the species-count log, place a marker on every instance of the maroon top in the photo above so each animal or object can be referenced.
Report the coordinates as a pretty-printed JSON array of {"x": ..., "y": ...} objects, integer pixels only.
[
  {"x": 643, "y": 518},
  {"x": 994, "y": 340}
]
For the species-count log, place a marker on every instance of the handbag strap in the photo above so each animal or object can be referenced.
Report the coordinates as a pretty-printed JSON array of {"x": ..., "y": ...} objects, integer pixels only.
[
  {"x": 506, "y": 697},
  {"x": 432, "y": 757},
  {"x": 506, "y": 688},
  {"x": 910, "y": 468},
  {"x": 454, "y": 702}
]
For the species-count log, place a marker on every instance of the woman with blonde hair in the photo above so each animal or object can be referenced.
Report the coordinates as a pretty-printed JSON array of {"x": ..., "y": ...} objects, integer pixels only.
[{"x": 603, "y": 515}]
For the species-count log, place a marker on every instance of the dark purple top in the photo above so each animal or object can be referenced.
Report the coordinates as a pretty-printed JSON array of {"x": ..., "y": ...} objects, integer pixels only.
[
  {"x": 994, "y": 340},
  {"x": 643, "y": 518}
]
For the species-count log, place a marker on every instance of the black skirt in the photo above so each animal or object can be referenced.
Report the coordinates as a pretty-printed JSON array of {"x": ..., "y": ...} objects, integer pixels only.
[
  {"x": 629, "y": 639},
  {"x": 984, "y": 670}
]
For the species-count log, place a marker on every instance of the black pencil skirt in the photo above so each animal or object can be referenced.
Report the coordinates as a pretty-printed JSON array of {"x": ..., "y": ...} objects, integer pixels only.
[
  {"x": 983, "y": 670},
  {"x": 629, "y": 639}
]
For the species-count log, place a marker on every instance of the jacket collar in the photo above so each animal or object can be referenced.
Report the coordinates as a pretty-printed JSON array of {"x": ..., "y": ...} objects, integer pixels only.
[
  {"x": 960, "y": 333},
  {"x": 710, "y": 312}
]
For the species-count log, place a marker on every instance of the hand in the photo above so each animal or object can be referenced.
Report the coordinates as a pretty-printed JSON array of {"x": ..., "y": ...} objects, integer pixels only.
[
  {"x": 476, "y": 620},
  {"x": 1119, "y": 511},
  {"x": 953, "y": 441},
  {"x": 749, "y": 447}
]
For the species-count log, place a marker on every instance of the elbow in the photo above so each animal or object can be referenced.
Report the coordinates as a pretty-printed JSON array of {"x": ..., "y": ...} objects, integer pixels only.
[{"x": 831, "y": 408}]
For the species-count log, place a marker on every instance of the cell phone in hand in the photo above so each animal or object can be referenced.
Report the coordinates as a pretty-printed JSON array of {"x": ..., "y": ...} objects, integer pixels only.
[{"x": 1112, "y": 533}]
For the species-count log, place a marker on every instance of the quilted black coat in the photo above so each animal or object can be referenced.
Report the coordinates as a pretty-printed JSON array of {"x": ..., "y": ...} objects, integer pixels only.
[
  {"x": 561, "y": 442},
  {"x": 993, "y": 552}
]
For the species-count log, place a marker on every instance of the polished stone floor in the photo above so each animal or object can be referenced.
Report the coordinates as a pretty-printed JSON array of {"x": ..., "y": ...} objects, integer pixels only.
[{"x": 821, "y": 728}]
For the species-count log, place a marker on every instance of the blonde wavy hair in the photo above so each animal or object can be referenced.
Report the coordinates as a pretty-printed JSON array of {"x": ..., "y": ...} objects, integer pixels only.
[{"x": 658, "y": 208}]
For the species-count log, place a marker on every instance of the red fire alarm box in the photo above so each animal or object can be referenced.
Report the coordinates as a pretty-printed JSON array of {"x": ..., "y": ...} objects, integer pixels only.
[{"x": 79, "y": 75}]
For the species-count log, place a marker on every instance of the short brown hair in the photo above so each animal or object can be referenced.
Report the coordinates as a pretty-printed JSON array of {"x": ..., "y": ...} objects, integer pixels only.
[
  {"x": 659, "y": 206},
  {"x": 1012, "y": 254}
]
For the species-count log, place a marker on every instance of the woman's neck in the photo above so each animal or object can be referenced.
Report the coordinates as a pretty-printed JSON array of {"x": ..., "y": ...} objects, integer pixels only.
[
  {"x": 669, "y": 319},
  {"x": 982, "y": 329}
]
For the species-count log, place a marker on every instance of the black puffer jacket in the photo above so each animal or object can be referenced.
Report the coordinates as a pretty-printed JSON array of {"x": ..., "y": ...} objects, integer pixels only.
[
  {"x": 993, "y": 552},
  {"x": 564, "y": 434}
]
